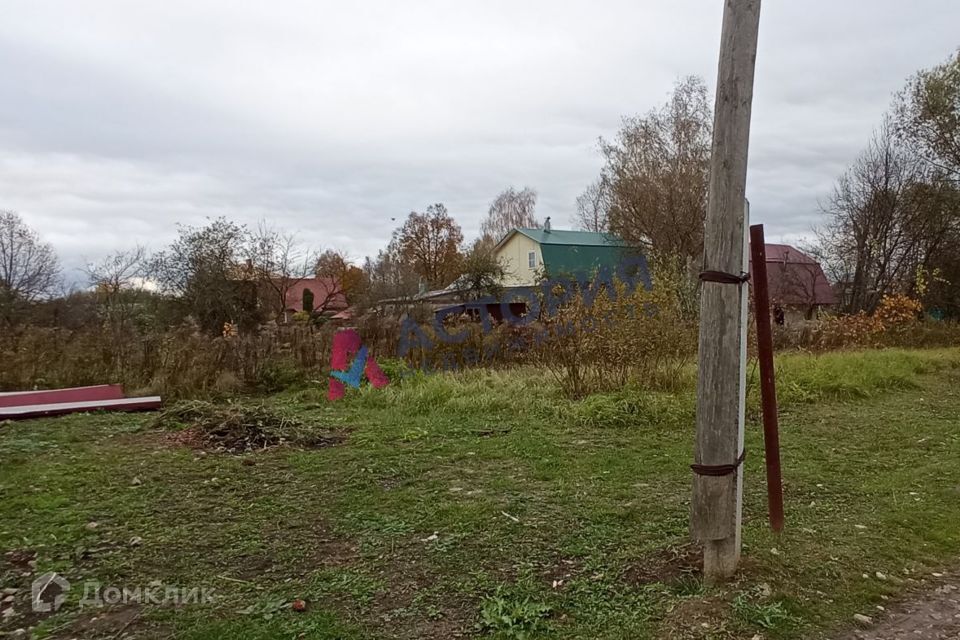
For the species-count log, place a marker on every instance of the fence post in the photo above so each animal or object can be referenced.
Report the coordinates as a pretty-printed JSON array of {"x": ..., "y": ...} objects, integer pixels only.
[{"x": 768, "y": 384}]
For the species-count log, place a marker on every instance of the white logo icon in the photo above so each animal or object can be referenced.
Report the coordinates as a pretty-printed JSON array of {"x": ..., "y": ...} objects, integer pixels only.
[{"x": 48, "y": 592}]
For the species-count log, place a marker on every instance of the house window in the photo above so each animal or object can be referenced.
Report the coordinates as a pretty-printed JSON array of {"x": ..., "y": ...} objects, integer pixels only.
[{"x": 532, "y": 259}]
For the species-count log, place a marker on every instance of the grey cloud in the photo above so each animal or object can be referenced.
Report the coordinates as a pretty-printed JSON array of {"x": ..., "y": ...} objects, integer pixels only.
[{"x": 118, "y": 119}]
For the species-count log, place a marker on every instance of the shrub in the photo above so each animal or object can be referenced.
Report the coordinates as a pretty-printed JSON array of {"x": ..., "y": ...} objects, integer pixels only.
[
  {"x": 181, "y": 362},
  {"x": 618, "y": 336},
  {"x": 837, "y": 332},
  {"x": 897, "y": 322},
  {"x": 898, "y": 309},
  {"x": 278, "y": 374},
  {"x": 395, "y": 369}
]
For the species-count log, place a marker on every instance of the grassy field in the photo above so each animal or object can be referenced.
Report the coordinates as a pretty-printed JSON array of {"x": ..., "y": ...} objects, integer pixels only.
[{"x": 485, "y": 504}]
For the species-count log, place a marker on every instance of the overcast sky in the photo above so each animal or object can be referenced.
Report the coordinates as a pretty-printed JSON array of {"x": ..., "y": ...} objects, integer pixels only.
[{"x": 119, "y": 119}]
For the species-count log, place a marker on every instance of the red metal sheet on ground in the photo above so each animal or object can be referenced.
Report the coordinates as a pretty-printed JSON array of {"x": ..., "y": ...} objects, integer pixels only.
[
  {"x": 63, "y": 408},
  {"x": 57, "y": 396}
]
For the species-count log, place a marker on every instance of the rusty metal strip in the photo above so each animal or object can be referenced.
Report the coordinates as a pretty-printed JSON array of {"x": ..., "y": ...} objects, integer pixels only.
[
  {"x": 722, "y": 277},
  {"x": 717, "y": 470}
]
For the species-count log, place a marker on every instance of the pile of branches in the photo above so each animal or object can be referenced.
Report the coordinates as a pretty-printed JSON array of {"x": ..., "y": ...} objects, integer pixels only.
[{"x": 238, "y": 428}]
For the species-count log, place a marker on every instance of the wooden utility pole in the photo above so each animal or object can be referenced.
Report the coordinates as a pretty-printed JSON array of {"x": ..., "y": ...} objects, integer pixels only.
[{"x": 718, "y": 454}]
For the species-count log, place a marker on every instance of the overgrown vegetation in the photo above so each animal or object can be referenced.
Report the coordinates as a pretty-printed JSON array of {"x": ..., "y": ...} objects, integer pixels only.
[
  {"x": 180, "y": 363},
  {"x": 221, "y": 322},
  {"x": 898, "y": 321},
  {"x": 893, "y": 221},
  {"x": 488, "y": 504},
  {"x": 601, "y": 340}
]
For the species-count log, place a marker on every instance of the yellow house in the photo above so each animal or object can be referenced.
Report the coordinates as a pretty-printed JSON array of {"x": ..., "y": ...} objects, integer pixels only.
[
  {"x": 521, "y": 258},
  {"x": 528, "y": 255},
  {"x": 531, "y": 256}
]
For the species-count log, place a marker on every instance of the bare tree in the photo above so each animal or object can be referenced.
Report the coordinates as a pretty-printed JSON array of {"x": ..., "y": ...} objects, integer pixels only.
[
  {"x": 886, "y": 219},
  {"x": 115, "y": 281},
  {"x": 927, "y": 115},
  {"x": 123, "y": 269},
  {"x": 593, "y": 206},
  {"x": 278, "y": 263},
  {"x": 388, "y": 275},
  {"x": 29, "y": 268},
  {"x": 658, "y": 170},
  {"x": 204, "y": 271},
  {"x": 341, "y": 279},
  {"x": 511, "y": 209}
]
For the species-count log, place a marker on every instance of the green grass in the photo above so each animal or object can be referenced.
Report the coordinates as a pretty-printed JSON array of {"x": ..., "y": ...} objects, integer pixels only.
[{"x": 486, "y": 504}]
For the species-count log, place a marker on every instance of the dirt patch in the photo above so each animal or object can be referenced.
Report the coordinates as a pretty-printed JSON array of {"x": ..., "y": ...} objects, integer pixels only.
[
  {"x": 112, "y": 622},
  {"x": 669, "y": 566},
  {"x": 931, "y": 615},
  {"x": 323, "y": 554},
  {"x": 19, "y": 561},
  {"x": 560, "y": 572},
  {"x": 408, "y": 606},
  {"x": 696, "y": 619},
  {"x": 449, "y": 617},
  {"x": 116, "y": 623},
  {"x": 16, "y": 575},
  {"x": 250, "y": 568},
  {"x": 321, "y": 549},
  {"x": 492, "y": 432},
  {"x": 329, "y": 553},
  {"x": 17, "y": 570}
]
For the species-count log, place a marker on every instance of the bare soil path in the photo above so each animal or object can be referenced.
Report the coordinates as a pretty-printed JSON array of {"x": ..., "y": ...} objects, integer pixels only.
[{"x": 933, "y": 615}]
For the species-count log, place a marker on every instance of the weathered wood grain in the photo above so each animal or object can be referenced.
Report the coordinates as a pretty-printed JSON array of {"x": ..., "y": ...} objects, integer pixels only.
[{"x": 715, "y": 513}]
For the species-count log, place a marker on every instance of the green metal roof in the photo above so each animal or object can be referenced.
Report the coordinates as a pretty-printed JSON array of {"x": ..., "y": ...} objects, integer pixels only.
[
  {"x": 564, "y": 259},
  {"x": 569, "y": 253},
  {"x": 577, "y": 238}
]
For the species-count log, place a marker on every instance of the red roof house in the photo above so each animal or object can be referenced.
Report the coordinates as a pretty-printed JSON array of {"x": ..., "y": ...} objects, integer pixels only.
[
  {"x": 327, "y": 293},
  {"x": 797, "y": 282}
]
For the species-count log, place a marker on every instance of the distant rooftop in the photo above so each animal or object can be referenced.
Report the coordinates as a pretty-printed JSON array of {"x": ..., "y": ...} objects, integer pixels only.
[
  {"x": 786, "y": 253},
  {"x": 796, "y": 278},
  {"x": 572, "y": 238}
]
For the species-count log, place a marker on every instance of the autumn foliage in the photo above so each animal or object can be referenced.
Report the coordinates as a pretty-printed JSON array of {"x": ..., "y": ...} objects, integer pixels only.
[{"x": 898, "y": 320}]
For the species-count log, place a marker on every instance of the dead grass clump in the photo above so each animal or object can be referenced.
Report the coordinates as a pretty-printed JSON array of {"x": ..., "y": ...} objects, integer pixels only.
[
  {"x": 671, "y": 566},
  {"x": 238, "y": 428}
]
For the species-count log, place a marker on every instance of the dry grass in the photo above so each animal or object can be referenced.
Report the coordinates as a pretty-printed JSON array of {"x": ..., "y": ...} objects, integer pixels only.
[{"x": 179, "y": 363}]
